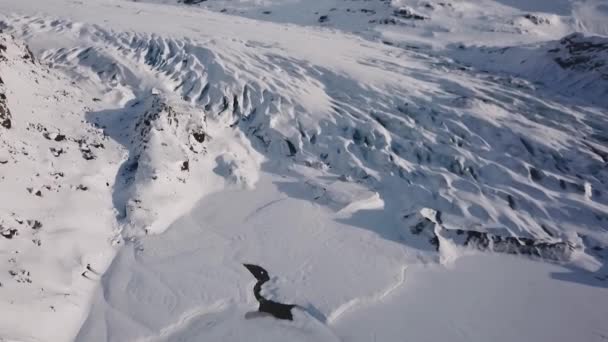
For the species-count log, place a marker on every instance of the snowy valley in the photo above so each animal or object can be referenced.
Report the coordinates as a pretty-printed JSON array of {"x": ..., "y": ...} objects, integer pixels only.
[{"x": 404, "y": 170}]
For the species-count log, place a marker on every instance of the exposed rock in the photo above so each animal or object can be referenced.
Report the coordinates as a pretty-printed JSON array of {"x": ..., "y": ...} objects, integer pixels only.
[
  {"x": 407, "y": 13},
  {"x": 424, "y": 225},
  {"x": 186, "y": 165},
  {"x": 34, "y": 224},
  {"x": 8, "y": 233},
  {"x": 537, "y": 19},
  {"x": 5, "y": 113},
  {"x": 578, "y": 52}
]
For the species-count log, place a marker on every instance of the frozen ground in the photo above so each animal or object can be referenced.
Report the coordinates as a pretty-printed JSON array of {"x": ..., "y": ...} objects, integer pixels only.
[{"x": 405, "y": 170}]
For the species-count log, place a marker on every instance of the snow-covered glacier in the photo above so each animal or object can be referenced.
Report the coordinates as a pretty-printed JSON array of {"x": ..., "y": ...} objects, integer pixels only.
[{"x": 403, "y": 170}]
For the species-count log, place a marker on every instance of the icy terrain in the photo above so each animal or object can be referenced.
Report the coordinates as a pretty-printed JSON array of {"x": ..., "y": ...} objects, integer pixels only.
[{"x": 405, "y": 170}]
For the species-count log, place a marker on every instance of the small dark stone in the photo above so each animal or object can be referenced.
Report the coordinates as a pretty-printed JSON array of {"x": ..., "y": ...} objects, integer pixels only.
[
  {"x": 34, "y": 224},
  {"x": 9, "y": 233},
  {"x": 199, "y": 136}
]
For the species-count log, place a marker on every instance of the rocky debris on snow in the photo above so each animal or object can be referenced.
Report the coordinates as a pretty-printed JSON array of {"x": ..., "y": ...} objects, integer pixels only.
[
  {"x": 185, "y": 166},
  {"x": 199, "y": 135},
  {"x": 408, "y": 13},
  {"x": 192, "y": 2},
  {"x": 5, "y": 113},
  {"x": 28, "y": 55},
  {"x": 34, "y": 224},
  {"x": 56, "y": 152},
  {"x": 428, "y": 223},
  {"x": 20, "y": 276},
  {"x": 197, "y": 139},
  {"x": 559, "y": 251},
  {"x": 17, "y": 218},
  {"x": 55, "y": 136},
  {"x": 583, "y": 53},
  {"x": 8, "y": 233},
  {"x": 537, "y": 19},
  {"x": 5, "y": 41},
  {"x": 36, "y": 192},
  {"x": 86, "y": 148},
  {"x": 57, "y": 174},
  {"x": 384, "y": 21},
  {"x": 158, "y": 116}
]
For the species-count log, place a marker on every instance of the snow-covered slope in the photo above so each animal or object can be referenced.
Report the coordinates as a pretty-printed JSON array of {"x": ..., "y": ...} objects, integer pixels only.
[
  {"x": 380, "y": 182},
  {"x": 427, "y": 23},
  {"x": 56, "y": 213}
]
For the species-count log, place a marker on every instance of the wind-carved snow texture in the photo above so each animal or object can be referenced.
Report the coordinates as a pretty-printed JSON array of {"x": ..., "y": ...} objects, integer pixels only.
[
  {"x": 572, "y": 66},
  {"x": 371, "y": 135},
  {"x": 435, "y": 138},
  {"x": 424, "y": 154}
]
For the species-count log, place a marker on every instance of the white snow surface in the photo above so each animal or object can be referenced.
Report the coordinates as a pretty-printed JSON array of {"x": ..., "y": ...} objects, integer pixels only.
[{"x": 405, "y": 170}]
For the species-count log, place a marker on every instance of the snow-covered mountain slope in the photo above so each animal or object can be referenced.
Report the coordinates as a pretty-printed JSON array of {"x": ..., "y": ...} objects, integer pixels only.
[
  {"x": 56, "y": 213},
  {"x": 381, "y": 185},
  {"x": 428, "y": 23}
]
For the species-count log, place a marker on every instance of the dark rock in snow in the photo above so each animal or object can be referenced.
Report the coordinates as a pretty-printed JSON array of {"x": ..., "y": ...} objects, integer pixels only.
[
  {"x": 8, "y": 233},
  {"x": 537, "y": 19},
  {"x": 583, "y": 53},
  {"x": 56, "y": 151},
  {"x": 407, "y": 13},
  {"x": 199, "y": 136},
  {"x": 5, "y": 113},
  {"x": 34, "y": 224},
  {"x": 484, "y": 241}
]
